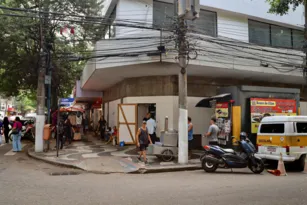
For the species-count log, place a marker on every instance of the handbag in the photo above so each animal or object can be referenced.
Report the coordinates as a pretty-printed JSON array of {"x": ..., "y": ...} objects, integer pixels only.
[{"x": 15, "y": 131}]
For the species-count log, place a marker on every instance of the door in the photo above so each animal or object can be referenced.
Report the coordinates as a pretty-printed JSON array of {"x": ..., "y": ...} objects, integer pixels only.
[{"x": 127, "y": 123}]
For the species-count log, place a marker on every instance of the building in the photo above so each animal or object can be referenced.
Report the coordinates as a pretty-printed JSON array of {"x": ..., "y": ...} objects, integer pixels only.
[{"x": 232, "y": 43}]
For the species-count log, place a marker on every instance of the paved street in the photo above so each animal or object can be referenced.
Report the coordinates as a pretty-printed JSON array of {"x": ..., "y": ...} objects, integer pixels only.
[{"x": 27, "y": 181}]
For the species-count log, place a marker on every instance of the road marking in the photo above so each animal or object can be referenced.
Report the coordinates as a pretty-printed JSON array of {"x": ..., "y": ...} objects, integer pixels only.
[{"x": 11, "y": 153}]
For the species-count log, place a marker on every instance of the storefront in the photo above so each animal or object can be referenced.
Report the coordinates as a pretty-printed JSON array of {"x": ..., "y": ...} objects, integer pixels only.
[{"x": 241, "y": 108}]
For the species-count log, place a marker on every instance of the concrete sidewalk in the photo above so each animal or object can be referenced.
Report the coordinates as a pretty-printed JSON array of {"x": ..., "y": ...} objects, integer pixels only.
[{"x": 98, "y": 157}]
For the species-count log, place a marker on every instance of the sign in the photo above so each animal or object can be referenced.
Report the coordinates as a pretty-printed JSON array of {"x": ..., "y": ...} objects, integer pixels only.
[
  {"x": 221, "y": 110},
  {"x": 223, "y": 122},
  {"x": 263, "y": 107},
  {"x": 66, "y": 101},
  {"x": 47, "y": 79},
  {"x": 97, "y": 104}
]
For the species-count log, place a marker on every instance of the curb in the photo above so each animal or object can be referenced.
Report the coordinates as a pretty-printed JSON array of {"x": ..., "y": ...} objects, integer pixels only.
[
  {"x": 168, "y": 169},
  {"x": 143, "y": 170}
]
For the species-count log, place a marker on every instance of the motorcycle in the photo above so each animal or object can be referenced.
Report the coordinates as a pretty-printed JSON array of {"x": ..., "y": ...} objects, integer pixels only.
[
  {"x": 217, "y": 157},
  {"x": 26, "y": 131}
]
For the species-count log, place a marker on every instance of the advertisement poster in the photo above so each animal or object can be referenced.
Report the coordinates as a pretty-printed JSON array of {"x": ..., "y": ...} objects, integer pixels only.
[
  {"x": 223, "y": 122},
  {"x": 221, "y": 110},
  {"x": 262, "y": 107}
]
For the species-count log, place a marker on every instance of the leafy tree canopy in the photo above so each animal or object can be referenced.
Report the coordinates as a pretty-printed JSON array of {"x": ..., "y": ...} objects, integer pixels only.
[
  {"x": 20, "y": 41},
  {"x": 282, "y": 7}
]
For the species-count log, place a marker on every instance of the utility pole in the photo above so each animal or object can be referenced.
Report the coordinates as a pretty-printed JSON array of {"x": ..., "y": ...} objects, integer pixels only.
[
  {"x": 187, "y": 10},
  {"x": 40, "y": 111}
]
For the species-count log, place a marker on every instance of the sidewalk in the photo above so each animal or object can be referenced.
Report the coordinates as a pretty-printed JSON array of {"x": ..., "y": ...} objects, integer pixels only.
[{"x": 98, "y": 157}]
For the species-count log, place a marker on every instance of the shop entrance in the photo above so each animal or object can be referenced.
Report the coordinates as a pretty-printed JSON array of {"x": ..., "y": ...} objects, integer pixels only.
[
  {"x": 143, "y": 109},
  {"x": 130, "y": 118}
]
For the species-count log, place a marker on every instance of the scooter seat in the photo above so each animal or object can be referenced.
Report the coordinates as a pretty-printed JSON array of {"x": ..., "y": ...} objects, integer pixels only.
[{"x": 228, "y": 150}]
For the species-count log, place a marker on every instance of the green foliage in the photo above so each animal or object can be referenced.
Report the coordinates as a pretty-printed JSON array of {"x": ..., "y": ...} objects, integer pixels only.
[
  {"x": 20, "y": 42},
  {"x": 282, "y": 7}
]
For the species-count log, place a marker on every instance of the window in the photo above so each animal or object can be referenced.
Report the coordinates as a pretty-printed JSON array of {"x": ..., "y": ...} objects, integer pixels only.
[
  {"x": 298, "y": 39},
  {"x": 301, "y": 127},
  {"x": 272, "y": 128},
  {"x": 259, "y": 33},
  {"x": 271, "y": 35},
  {"x": 205, "y": 24},
  {"x": 164, "y": 13},
  {"x": 281, "y": 36},
  {"x": 110, "y": 30}
]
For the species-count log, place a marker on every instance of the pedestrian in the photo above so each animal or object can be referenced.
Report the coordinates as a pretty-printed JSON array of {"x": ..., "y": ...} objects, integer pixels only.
[
  {"x": 67, "y": 131},
  {"x": 1, "y": 131},
  {"x": 102, "y": 127},
  {"x": 151, "y": 127},
  {"x": 190, "y": 136},
  {"x": 85, "y": 123},
  {"x": 213, "y": 132},
  {"x": 146, "y": 117},
  {"x": 6, "y": 129},
  {"x": 16, "y": 132},
  {"x": 143, "y": 139}
]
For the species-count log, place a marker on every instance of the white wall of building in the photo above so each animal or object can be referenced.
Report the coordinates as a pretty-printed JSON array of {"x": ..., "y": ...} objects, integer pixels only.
[
  {"x": 113, "y": 112},
  {"x": 257, "y": 9},
  {"x": 232, "y": 26}
]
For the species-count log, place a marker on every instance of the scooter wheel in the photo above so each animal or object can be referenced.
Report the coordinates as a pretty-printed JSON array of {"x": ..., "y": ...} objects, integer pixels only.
[
  {"x": 208, "y": 166},
  {"x": 258, "y": 167}
]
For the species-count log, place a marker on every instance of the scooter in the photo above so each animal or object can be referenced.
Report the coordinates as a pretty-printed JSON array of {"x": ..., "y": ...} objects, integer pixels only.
[{"x": 217, "y": 157}]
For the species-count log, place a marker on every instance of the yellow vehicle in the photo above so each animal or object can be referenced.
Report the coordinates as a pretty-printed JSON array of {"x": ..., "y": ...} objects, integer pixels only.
[{"x": 286, "y": 135}]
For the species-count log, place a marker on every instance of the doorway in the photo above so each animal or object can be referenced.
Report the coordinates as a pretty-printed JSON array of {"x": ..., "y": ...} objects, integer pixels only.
[{"x": 143, "y": 109}]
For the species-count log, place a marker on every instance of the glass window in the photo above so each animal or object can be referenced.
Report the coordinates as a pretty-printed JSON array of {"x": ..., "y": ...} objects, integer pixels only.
[
  {"x": 205, "y": 24},
  {"x": 281, "y": 36},
  {"x": 298, "y": 39},
  {"x": 259, "y": 33},
  {"x": 301, "y": 127},
  {"x": 272, "y": 128},
  {"x": 163, "y": 14}
]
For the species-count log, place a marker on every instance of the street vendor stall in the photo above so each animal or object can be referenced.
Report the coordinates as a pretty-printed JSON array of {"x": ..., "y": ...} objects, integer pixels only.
[{"x": 74, "y": 115}]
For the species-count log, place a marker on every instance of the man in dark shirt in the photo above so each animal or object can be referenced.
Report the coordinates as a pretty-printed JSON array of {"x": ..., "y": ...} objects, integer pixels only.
[{"x": 102, "y": 126}]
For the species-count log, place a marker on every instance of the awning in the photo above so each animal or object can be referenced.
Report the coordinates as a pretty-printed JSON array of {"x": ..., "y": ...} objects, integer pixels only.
[{"x": 218, "y": 98}]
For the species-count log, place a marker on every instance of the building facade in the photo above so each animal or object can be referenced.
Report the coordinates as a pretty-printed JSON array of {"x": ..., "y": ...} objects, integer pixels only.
[{"x": 232, "y": 43}]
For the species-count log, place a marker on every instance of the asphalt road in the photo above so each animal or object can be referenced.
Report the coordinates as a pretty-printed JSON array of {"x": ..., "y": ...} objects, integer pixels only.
[{"x": 26, "y": 181}]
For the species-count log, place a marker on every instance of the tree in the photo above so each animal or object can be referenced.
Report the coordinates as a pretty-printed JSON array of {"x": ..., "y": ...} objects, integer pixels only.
[
  {"x": 20, "y": 41},
  {"x": 282, "y": 7}
]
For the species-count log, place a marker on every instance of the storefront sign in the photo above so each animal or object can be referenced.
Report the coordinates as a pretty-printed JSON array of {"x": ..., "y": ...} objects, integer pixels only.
[
  {"x": 66, "y": 101},
  {"x": 262, "y": 107},
  {"x": 221, "y": 110}
]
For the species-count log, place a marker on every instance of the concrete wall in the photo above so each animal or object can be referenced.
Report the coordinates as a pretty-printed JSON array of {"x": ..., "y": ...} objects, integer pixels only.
[{"x": 303, "y": 106}]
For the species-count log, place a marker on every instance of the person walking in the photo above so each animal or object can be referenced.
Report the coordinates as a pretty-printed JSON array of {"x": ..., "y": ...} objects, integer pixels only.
[
  {"x": 213, "y": 132},
  {"x": 17, "y": 135},
  {"x": 190, "y": 136},
  {"x": 143, "y": 139},
  {"x": 67, "y": 131},
  {"x": 6, "y": 129},
  {"x": 102, "y": 127},
  {"x": 151, "y": 127}
]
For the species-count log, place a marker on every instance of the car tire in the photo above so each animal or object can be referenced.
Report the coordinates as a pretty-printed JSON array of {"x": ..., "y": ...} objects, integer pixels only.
[{"x": 300, "y": 163}]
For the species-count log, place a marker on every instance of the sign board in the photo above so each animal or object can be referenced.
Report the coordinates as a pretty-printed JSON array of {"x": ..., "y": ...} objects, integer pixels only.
[
  {"x": 47, "y": 79},
  {"x": 66, "y": 101},
  {"x": 223, "y": 121},
  {"x": 263, "y": 107}
]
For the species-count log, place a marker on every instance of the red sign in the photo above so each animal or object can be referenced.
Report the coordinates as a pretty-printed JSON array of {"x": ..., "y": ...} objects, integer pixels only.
[
  {"x": 262, "y": 107},
  {"x": 97, "y": 104}
]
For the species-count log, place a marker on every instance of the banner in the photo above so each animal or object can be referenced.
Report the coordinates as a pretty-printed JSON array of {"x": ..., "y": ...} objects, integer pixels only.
[{"x": 263, "y": 107}]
